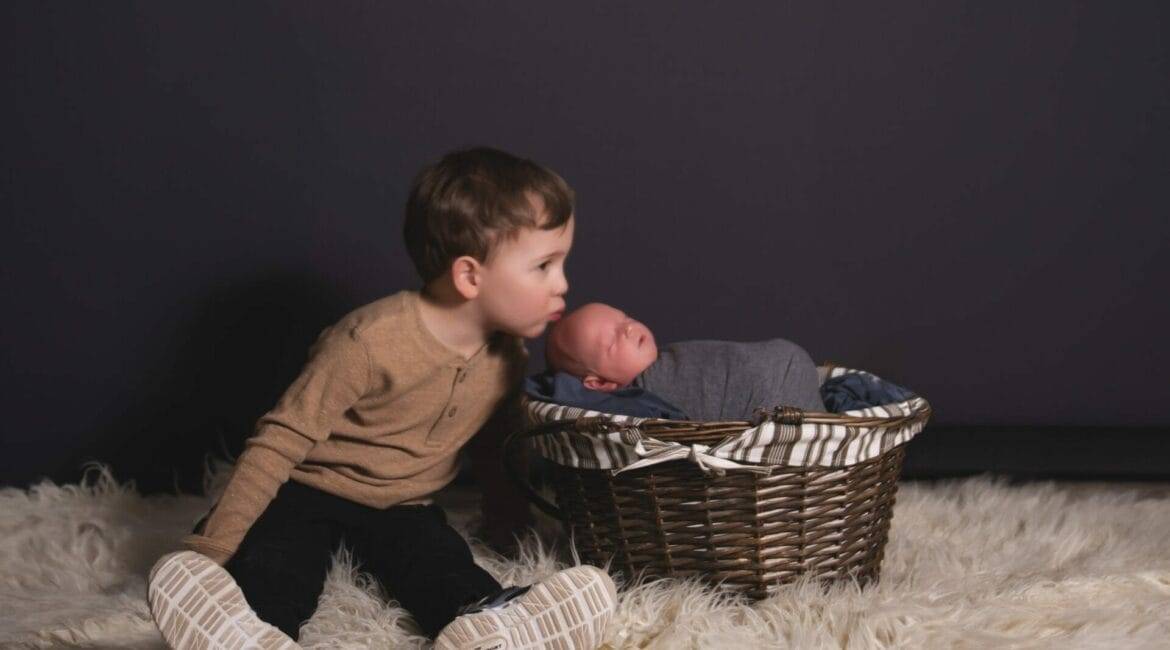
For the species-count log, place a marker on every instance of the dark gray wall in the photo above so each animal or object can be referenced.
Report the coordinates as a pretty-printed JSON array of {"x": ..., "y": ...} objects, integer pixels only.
[{"x": 968, "y": 198}]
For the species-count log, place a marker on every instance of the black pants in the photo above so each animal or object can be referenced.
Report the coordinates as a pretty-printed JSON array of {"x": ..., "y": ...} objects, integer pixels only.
[{"x": 421, "y": 561}]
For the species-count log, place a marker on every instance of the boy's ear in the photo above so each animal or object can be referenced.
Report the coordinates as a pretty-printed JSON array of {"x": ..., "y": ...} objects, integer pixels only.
[
  {"x": 467, "y": 274},
  {"x": 593, "y": 382}
]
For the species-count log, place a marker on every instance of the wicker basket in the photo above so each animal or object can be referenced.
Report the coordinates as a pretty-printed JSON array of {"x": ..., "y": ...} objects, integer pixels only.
[{"x": 746, "y": 530}]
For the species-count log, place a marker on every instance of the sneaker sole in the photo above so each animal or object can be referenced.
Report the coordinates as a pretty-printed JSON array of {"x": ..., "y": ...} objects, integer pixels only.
[
  {"x": 568, "y": 611},
  {"x": 197, "y": 605}
]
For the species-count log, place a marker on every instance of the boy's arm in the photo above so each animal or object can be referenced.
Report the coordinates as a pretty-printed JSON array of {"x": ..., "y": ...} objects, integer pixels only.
[
  {"x": 505, "y": 509},
  {"x": 335, "y": 377}
]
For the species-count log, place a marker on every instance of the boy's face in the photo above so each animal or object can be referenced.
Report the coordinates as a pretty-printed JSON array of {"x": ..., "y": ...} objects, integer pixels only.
[
  {"x": 524, "y": 282},
  {"x": 613, "y": 347}
]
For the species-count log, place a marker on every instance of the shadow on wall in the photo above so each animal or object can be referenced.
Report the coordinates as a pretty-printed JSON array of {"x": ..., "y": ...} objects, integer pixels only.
[{"x": 245, "y": 345}]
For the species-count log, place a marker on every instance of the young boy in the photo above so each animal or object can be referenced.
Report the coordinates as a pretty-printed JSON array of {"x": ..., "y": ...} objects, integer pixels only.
[{"x": 371, "y": 429}]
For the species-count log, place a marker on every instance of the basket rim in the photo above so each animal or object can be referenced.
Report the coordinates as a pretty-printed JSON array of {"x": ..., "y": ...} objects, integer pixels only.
[
  {"x": 783, "y": 436},
  {"x": 913, "y": 410}
]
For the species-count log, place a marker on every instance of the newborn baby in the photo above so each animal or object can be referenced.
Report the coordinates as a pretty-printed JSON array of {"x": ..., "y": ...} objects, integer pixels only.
[{"x": 707, "y": 380}]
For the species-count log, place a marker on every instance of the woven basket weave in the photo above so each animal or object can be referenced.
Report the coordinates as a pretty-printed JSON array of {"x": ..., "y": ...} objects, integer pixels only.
[{"x": 748, "y": 531}]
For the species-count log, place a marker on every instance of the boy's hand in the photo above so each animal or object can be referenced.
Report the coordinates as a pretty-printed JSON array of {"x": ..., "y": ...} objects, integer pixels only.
[{"x": 207, "y": 547}]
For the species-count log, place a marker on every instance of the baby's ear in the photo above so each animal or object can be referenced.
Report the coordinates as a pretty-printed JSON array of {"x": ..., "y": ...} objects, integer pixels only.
[{"x": 593, "y": 382}]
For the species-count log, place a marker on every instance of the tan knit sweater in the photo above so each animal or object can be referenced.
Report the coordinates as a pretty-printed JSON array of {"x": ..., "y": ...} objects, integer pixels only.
[{"x": 377, "y": 416}]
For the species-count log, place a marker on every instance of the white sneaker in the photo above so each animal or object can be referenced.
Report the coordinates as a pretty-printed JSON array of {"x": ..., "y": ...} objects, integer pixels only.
[
  {"x": 567, "y": 611},
  {"x": 197, "y": 604}
]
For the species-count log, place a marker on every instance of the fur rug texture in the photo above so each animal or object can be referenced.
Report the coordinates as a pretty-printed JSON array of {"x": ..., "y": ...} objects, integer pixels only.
[{"x": 973, "y": 563}]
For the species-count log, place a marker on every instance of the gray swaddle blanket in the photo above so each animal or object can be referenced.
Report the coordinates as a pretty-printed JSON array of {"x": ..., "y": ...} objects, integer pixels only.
[{"x": 726, "y": 380}]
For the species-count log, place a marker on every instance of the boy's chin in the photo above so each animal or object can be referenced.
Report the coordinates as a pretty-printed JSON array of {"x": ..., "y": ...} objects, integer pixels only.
[
  {"x": 515, "y": 329},
  {"x": 530, "y": 333}
]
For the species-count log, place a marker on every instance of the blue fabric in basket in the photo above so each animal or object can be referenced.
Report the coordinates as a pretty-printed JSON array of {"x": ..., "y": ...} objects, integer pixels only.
[
  {"x": 563, "y": 388},
  {"x": 857, "y": 391},
  {"x": 844, "y": 393}
]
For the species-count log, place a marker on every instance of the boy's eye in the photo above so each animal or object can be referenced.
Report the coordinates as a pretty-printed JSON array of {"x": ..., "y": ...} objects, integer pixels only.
[{"x": 544, "y": 266}]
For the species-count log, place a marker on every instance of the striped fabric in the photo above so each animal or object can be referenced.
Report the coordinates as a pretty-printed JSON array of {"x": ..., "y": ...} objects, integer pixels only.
[
  {"x": 569, "y": 610},
  {"x": 856, "y": 436},
  {"x": 198, "y": 606}
]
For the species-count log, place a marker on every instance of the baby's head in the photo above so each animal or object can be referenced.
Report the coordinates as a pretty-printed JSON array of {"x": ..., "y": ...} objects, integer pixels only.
[{"x": 601, "y": 346}]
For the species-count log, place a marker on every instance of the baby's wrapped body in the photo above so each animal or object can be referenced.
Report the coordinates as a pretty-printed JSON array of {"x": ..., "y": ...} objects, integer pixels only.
[
  {"x": 601, "y": 359},
  {"x": 727, "y": 380}
]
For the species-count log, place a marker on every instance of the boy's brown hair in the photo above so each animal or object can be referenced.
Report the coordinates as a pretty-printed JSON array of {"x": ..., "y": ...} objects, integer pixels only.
[{"x": 464, "y": 203}]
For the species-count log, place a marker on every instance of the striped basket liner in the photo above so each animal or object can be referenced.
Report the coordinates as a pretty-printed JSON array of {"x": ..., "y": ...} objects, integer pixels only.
[{"x": 820, "y": 440}]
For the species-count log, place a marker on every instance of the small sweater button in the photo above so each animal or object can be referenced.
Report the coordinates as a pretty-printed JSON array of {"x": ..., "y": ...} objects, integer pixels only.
[{"x": 451, "y": 411}]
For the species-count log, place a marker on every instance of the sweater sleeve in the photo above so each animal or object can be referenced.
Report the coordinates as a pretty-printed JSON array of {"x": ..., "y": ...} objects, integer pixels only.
[{"x": 335, "y": 377}]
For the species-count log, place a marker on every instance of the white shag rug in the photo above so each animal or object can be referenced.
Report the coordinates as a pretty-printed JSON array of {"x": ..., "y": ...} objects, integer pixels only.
[{"x": 973, "y": 563}]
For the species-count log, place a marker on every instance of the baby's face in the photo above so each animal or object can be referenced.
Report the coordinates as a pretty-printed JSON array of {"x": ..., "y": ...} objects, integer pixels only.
[{"x": 612, "y": 347}]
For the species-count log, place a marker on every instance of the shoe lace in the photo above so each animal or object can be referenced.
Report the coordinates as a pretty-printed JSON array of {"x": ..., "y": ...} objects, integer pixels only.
[{"x": 500, "y": 599}]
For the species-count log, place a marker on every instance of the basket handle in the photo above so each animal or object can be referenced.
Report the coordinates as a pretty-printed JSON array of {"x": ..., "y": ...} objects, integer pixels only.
[
  {"x": 511, "y": 467},
  {"x": 779, "y": 415}
]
